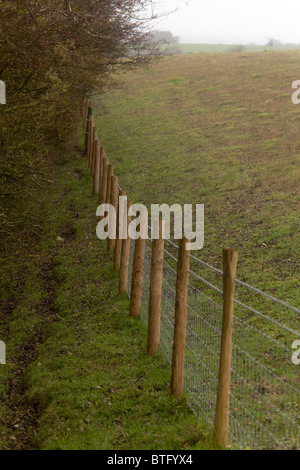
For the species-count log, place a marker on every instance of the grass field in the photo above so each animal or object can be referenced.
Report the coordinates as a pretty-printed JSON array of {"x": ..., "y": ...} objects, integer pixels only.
[
  {"x": 212, "y": 48},
  {"x": 217, "y": 129},
  {"x": 221, "y": 129}
]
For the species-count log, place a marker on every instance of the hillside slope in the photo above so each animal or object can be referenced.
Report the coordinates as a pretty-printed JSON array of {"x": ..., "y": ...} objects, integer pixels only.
[{"x": 219, "y": 130}]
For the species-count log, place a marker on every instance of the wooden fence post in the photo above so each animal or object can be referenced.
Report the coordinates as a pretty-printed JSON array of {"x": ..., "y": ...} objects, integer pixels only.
[
  {"x": 125, "y": 253},
  {"x": 102, "y": 197},
  {"x": 83, "y": 106},
  {"x": 156, "y": 276},
  {"x": 85, "y": 115},
  {"x": 94, "y": 130},
  {"x": 96, "y": 180},
  {"x": 113, "y": 202},
  {"x": 110, "y": 172},
  {"x": 102, "y": 155},
  {"x": 180, "y": 319},
  {"x": 221, "y": 427},
  {"x": 91, "y": 139},
  {"x": 86, "y": 112},
  {"x": 118, "y": 244},
  {"x": 94, "y": 152},
  {"x": 86, "y": 127},
  {"x": 137, "y": 272},
  {"x": 88, "y": 131},
  {"x": 87, "y": 142}
]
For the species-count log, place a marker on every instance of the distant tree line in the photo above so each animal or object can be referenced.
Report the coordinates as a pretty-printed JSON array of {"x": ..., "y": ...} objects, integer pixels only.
[
  {"x": 165, "y": 36},
  {"x": 166, "y": 40},
  {"x": 276, "y": 43}
]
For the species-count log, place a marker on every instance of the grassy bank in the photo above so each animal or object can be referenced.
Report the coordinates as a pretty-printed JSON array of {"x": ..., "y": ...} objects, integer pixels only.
[{"x": 77, "y": 375}]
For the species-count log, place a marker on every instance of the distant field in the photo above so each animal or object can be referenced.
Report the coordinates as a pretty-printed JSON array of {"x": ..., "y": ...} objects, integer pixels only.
[
  {"x": 218, "y": 129},
  {"x": 195, "y": 48}
]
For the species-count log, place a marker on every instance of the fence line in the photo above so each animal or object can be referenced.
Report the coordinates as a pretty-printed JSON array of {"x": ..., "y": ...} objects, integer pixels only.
[{"x": 264, "y": 391}]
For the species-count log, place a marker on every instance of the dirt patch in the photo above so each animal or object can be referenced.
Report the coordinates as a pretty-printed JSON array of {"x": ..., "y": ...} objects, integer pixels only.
[
  {"x": 22, "y": 422},
  {"x": 78, "y": 174},
  {"x": 67, "y": 232}
]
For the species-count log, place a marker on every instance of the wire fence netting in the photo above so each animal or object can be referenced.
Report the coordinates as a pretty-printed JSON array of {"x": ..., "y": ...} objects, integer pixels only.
[
  {"x": 265, "y": 392},
  {"x": 265, "y": 395}
]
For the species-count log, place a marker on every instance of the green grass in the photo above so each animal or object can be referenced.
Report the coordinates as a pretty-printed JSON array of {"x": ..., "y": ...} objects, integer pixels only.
[
  {"x": 90, "y": 383},
  {"x": 215, "y": 48},
  {"x": 221, "y": 130},
  {"x": 218, "y": 129}
]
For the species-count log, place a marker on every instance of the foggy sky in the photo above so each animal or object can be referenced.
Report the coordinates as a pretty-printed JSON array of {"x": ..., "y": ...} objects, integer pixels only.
[{"x": 231, "y": 21}]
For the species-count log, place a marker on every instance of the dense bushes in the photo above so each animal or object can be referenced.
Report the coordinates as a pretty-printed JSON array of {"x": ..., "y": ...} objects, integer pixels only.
[{"x": 52, "y": 52}]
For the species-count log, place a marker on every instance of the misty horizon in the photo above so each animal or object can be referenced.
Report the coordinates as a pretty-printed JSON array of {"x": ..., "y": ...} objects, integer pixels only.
[
  {"x": 230, "y": 22},
  {"x": 233, "y": 42}
]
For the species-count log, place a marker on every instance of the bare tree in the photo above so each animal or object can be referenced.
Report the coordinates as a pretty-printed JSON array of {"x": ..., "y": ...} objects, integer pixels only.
[{"x": 52, "y": 52}]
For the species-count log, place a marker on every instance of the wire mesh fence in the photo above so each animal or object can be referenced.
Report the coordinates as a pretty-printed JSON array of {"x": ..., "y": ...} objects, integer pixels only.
[
  {"x": 264, "y": 401},
  {"x": 265, "y": 383},
  {"x": 265, "y": 392}
]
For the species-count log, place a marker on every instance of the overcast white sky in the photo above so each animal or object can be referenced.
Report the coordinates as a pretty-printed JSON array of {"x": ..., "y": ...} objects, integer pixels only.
[{"x": 231, "y": 21}]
